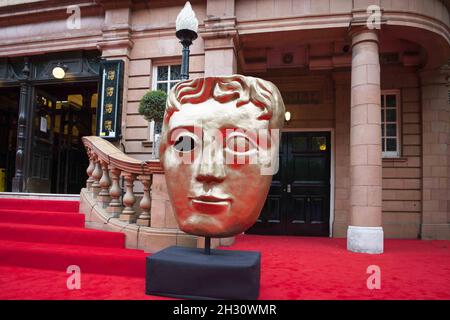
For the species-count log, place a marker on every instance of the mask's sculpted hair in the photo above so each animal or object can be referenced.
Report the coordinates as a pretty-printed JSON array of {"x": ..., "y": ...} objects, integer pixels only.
[{"x": 241, "y": 89}]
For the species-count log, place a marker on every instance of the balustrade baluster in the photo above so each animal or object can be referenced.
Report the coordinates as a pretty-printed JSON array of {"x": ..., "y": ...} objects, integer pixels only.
[
  {"x": 115, "y": 207},
  {"x": 146, "y": 201},
  {"x": 89, "y": 171},
  {"x": 96, "y": 175},
  {"x": 103, "y": 197},
  {"x": 128, "y": 213}
]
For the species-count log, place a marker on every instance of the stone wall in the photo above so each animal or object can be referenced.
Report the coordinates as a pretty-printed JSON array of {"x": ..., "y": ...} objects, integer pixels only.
[
  {"x": 266, "y": 9},
  {"x": 342, "y": 155},
  {"x": 402, "y": 177},
  {"x": 154, "y": 43},
  {"x": 436, "y": 129}
]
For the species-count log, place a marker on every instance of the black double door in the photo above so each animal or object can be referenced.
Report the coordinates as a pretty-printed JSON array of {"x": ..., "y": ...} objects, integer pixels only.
[{"x": 299, "y": 198}]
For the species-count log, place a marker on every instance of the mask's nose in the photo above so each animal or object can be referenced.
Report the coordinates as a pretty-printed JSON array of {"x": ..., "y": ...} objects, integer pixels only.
[{"x": 211, "y": 167}]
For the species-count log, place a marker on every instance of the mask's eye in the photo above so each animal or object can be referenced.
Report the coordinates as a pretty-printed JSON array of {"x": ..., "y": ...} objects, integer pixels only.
[
  {"x": 239, "y": 144},
  {"x": 185, "y": 143}
]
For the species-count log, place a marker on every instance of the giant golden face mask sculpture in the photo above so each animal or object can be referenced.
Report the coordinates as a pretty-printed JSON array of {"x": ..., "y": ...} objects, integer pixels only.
[{"x": 219, "y": 150}]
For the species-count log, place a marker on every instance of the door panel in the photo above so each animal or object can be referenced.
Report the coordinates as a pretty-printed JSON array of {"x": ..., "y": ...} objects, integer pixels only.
[
  {"x": 298, "y": 209},
  {"x": 299, "y": 196},
  {"x": 271, "y": 219}
]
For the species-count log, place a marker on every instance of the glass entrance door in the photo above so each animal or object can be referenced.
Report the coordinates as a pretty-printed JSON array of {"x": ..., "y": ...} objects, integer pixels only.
[{"x": 63, "y": 114}]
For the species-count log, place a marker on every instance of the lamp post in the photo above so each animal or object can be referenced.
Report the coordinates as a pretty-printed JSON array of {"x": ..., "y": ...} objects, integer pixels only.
[{"x": 186, "y": 31}]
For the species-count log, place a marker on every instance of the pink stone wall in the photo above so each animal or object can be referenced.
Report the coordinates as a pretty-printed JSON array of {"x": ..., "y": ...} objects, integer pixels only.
[
  {"x": 307, "y": 116},
  {"x": 342, "y": 155},
  {"x": 154, "y": 43},
  {"x": 436, "y": 129},
  {"x": 402, "y": 178},
  {"x": 265, "y": 9}
]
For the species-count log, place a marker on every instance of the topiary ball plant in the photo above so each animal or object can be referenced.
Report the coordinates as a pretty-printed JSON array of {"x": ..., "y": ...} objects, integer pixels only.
[{"x": 152, "y": 105}]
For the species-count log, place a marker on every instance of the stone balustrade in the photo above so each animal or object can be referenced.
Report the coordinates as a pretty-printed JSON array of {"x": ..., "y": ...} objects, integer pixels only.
[{"x": 107, "y": 166}]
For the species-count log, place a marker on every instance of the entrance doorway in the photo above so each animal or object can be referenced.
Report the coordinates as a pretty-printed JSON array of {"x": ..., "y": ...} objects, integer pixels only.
[
  {"x": 63, "y": 114},
  {"x": 9, "y": 109},
  {"x": 299, "y": 198}
]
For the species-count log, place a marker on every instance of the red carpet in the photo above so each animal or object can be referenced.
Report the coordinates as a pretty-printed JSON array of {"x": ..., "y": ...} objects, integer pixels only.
[
  {"x": 38, "y": 241},
  {"x": 60, "y": 239}
]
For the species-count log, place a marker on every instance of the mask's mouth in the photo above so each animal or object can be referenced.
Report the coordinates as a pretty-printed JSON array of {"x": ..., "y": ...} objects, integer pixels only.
[
  {"x": 211, "y": 204},
  {"x": 210, "y": 198}
]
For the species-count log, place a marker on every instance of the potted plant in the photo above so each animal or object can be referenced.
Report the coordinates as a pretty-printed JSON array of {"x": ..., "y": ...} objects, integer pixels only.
[{"x": 152, "y": 106}]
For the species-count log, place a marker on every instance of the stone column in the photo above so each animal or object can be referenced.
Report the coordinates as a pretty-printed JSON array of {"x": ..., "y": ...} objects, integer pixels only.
[
  {"x": 365, "y": 233},
  {"x": 117, "y": 44},
  {"x": 219, "y": 37},
  {"x": 436, "y": 140}
]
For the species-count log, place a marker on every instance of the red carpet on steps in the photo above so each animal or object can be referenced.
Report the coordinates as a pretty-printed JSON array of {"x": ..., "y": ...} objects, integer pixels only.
[
  {"x": 39, "y": 239},
  {"x": 60, "y": 239}
]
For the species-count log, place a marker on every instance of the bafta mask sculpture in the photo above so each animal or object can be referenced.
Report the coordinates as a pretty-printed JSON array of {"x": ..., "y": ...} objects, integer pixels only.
[{"x": 219, "y": 150}]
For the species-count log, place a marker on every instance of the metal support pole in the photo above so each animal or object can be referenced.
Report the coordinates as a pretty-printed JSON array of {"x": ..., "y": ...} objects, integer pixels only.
[
  {"x": 186, "y": 37},
  {"x": 18, "y": 184},
  {"x": 185, "y": 60},
  {"x": 207, "y": 245}
]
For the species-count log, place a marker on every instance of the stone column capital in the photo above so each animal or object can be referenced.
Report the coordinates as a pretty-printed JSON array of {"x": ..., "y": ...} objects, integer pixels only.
[
  {"x": 219, "y": 33},
  {"x": 363, "y": 34}
]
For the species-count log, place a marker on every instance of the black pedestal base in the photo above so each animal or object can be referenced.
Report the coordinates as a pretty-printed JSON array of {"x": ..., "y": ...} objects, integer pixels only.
[{"x": 189, "y": 273}]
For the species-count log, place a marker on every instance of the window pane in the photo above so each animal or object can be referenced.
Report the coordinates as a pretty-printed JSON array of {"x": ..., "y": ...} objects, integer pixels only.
[
  {"x": 391, "y": 130},
  {"x": 175, "y": 72},
  {"x": 391, "y": 101},
  {"x": 383, "y": 145},
  {"x": 162, "y": 87},
  {"x": 391, "y": 115},
  {"x": 172, "y": 84},
  {"x": 382, "y": 130},
  {"x": 391, "y": 144},
  {"x": 382, "y": 101},
  {"x": 163, "y": 72},
  {"x": 382, "y": 115},
  {"x": 319, "y": 144}
]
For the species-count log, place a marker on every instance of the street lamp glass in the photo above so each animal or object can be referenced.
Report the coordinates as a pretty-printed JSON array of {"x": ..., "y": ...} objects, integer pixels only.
[{"x": 186, "y": 19}]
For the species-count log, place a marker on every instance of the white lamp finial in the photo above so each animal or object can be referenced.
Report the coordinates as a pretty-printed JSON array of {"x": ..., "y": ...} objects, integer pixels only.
[{"x": 186, "y": 19}]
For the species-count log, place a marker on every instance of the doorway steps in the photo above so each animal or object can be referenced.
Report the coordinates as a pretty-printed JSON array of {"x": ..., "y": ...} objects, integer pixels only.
[{"x": 50, "y": 234}]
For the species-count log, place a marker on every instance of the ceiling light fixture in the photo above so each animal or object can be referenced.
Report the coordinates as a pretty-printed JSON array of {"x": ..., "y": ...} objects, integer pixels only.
[
  {"x": 59, "y": 72},
  {"x": 287, "y": 116}
]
